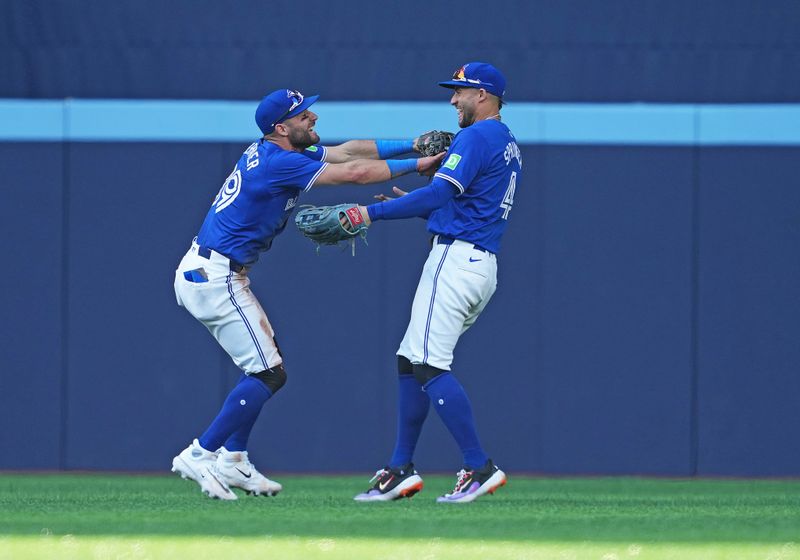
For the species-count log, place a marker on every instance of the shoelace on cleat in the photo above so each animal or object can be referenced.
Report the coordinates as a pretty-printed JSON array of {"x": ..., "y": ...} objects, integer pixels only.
[
  {"x": 218, "y": 476},
  {"x": 253, "y": 470},
  {"x": 247, "y": 465},
  {"x": 463, "y": 477},
  {"x": 378, "y": 474}
]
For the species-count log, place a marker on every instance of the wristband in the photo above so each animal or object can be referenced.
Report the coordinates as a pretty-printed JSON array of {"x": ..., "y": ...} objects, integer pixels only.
[
  {"x": 401, "y": 166},
  {"x": 389, "y": 148}
]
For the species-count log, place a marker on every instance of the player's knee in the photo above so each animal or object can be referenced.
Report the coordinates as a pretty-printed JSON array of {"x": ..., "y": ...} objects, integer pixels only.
[
  {"x": 425, "y": 373},
  {"x": 274, "y": 378},
  {"x": 404, "y": 366}
]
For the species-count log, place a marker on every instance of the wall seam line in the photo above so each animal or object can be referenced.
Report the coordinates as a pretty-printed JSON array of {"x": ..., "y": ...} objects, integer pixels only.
[{"x": 694, "y": 412}]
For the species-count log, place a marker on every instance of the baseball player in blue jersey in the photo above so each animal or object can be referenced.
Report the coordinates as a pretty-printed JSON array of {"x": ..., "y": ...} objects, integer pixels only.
[
  {"x": 467, "y": 205},
  {"x": 211, "y": 282}
]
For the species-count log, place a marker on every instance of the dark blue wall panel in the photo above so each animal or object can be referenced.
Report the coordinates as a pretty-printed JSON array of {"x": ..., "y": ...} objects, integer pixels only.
[
  {"x": 32, "y": 284},
  {"x": 646, "y": 319},
  {"x": 645, "y": 322},
  {"x": 749, "y": 312},
  {"x": 616, "y": 304},
  {"x": 141, "y": 371},
  {"x": 573, "y": 50}
]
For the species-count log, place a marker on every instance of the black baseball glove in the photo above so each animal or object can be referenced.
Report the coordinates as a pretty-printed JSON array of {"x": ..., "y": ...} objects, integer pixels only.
[{"x": 433, "y": 142}]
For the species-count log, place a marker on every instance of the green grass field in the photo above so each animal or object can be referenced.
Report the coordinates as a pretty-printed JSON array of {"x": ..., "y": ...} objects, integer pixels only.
[{"x": 142, "y": 517}]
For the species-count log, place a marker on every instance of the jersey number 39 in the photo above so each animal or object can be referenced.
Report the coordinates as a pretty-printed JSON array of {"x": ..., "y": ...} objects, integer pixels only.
[
  {"x": 508, "y": 198},
  {"x": 229, "y": 191}
]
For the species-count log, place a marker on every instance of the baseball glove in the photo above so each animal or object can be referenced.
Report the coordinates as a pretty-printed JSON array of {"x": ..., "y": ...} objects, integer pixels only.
[
  {"x": 328, "y": 225},
  {"x": 434, "y": 142}
]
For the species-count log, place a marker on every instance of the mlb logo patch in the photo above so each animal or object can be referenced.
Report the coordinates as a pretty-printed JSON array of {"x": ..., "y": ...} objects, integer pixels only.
[{"x": 452, "y": 161}]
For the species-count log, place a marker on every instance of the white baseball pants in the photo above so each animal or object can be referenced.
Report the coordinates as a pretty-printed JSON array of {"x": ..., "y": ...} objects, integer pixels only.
[
  {"x": 456, "y": 284},
  {"x": 221, "y": 299}
]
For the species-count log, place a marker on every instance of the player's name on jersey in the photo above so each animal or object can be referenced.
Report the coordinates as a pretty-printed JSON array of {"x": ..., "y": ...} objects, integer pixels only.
[{"x": 512, "y": 152}]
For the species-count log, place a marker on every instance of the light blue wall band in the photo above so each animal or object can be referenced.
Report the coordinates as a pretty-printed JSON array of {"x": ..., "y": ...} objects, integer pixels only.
[{"x": 86, "y": 120}]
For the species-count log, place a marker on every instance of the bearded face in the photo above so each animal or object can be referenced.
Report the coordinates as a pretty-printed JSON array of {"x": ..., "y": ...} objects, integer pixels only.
[
  {"x": 301, "y": 130},
  {"x": 465, "y": 100}
]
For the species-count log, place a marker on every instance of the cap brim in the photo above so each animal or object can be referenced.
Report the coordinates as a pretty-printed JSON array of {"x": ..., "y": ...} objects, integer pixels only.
[
  {"x": 459, "y": 83},
  {"x": 307, "y": 102}
]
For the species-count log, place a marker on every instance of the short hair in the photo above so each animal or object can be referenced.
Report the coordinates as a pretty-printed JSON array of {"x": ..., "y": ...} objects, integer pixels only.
[{"x": 499, "y": 99}]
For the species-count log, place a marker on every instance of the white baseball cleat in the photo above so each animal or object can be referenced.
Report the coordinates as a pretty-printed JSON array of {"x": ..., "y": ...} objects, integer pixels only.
[
  {"x": 237, "y": 470},
  {"x": 200, "y": 465}
]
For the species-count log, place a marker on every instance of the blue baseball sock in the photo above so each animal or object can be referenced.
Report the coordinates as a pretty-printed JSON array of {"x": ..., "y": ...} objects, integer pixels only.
[
  {"x": 237, "y": 441},
  {"x": 412, "y": 409},
  {"x": 452, "y": 404},
  {"x": 239, "y": 412}
]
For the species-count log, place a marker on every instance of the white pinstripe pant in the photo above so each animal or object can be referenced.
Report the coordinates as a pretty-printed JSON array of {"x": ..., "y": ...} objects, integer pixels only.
[
  {"x": 228, "y": 309},
  {"x": 456, "y": 284}
]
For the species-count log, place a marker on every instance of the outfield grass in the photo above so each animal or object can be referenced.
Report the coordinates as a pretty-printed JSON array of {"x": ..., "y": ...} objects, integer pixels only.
[{"x": 110, "y": 516}]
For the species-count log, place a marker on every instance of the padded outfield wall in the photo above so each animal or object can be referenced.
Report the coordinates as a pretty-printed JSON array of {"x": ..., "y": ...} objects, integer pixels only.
[{"x": 647, "y": 318}]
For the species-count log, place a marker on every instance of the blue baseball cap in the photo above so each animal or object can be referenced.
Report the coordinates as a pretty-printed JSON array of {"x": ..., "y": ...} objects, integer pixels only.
[
  {"x": 479, "y": 75},
  {"x": 280, "y": 105}
]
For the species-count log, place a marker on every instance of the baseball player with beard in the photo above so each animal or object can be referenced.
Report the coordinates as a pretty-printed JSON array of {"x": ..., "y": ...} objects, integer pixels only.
[
  {"x": 467, "y": 205},
  {"x": 250, "y": 210}
]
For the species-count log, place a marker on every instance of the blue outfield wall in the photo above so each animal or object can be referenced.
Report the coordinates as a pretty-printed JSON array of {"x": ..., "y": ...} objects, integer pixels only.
[
  {"x": 715, "y": 51},
  {"x": 646, "y": 319},
  {"x": 648, "y": 313}
]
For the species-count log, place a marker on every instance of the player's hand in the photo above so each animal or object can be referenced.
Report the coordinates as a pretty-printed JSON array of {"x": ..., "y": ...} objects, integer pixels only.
[
  {"x": 398, "y": 191},
  {"x": 427, "y": 166}
]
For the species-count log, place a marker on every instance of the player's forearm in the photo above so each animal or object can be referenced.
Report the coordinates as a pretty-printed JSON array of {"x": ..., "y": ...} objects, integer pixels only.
[
  {"x": 368, "y": 149},
  {"x": 420, "y": 202},
  {"x": 364, "y": 172},
  {"x": 352, "y": 150}
]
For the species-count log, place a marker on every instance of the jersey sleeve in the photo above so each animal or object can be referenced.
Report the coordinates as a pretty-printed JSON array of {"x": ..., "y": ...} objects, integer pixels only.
[
  {"x": 316, "y": 152},
  {"x": 420, "y": 202},
  {"x": 464, "y": 159},
  {"x": 295, "y": 170}
]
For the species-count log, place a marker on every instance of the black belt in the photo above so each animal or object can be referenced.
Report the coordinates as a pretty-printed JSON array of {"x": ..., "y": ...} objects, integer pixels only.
[
  {"x": 443, "y": 240},
  {"x": 205, "y": 252}
]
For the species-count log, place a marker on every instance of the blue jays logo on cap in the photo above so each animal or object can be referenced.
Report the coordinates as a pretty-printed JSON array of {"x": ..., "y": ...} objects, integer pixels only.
[
  {"x": 481, "y": 75},
  {"x": 280, "y": 105}
]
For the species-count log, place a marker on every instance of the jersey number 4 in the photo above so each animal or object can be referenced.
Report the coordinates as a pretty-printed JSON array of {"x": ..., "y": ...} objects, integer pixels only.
[{"x": 508, "y": 198}]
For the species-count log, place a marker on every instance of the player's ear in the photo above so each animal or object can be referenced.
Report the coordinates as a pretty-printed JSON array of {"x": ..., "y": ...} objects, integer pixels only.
[{"x": 281, "y": 129}]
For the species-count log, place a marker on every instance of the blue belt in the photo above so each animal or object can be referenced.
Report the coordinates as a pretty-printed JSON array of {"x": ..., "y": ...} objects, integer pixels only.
[
  {"x": 205, "y": 252},
  {"x": 444, "y": 240}
]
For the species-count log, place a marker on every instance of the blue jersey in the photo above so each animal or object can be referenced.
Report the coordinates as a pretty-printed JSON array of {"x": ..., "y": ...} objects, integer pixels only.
[
  {"x": 257, "y": 198},
  {"x": 484, "y": 163}
]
